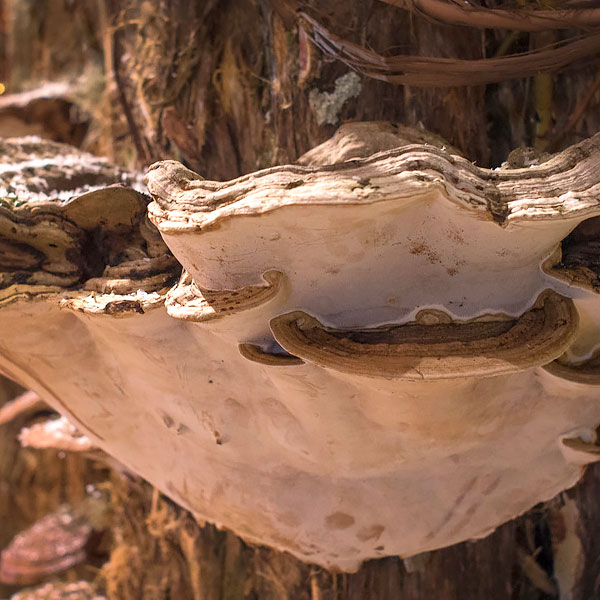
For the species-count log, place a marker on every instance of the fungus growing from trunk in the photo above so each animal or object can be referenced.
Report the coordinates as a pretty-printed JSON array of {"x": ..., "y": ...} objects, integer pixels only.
[
  {"x": 52, "y": 545},
  {"x": 381, "y": 356},
  {"x": 49, "y": 111}
]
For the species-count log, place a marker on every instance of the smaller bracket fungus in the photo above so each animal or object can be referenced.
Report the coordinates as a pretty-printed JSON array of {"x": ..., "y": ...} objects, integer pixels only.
[
  {"x": 361, "y": 140},
  {"x": 61, "y": 435},
  {"x": 52, "y": 545},
  {"x": 477, "y": 348},
  {"x": 585, "y": 372},
  {"x": 49, "y": 111},
  {"x": 576, "y": 264},
  {"x": 189, "y": 302},
  {"x": 577, "y": 260}
]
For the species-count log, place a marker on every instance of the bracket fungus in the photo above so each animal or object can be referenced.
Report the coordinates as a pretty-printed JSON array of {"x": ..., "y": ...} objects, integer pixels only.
[
  {"x": 381, "y": 356},
  {"x": 51, "y": 545},
  {"x": 49, "y": 111}
]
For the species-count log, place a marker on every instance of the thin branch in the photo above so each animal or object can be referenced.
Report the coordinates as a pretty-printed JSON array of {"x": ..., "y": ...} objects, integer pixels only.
[
  {"x": 28, "y": 402},
  {"x": 520, "y": 19}
]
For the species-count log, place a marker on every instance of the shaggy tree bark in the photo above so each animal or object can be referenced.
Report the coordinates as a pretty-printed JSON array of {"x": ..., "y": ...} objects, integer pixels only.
[{"x": 231, "y": 87}]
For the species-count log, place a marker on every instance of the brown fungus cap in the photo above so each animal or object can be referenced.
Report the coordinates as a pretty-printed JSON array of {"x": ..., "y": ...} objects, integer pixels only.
[
  {"x": 586, "y": 372},
  {"x": 49, "y": 110},
  {"x": 52, "y": 545},
  {"x": 188, "y": 302},
  {"x": 479, "y": 348}
]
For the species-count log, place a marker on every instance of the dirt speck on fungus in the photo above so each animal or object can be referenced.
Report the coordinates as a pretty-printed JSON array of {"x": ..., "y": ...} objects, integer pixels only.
[{"x": 339, "y": 520}]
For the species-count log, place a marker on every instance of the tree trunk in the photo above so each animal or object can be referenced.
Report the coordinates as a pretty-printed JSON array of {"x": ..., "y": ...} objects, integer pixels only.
[{"x": 234, "y": 86}]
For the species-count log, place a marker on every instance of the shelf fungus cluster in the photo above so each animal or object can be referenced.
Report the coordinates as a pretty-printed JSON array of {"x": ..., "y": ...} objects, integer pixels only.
[{"x": 381, "y": 356}]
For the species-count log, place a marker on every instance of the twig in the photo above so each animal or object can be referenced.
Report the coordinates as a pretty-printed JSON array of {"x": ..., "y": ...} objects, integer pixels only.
[
  {"x": 450, "y": 13},
  {"x": 315, "y": 590},
  {"x": 123, "y": 99}
]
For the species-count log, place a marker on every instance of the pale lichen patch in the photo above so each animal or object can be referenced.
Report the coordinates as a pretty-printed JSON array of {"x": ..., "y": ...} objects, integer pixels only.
[{"x": 327, "y": 105}]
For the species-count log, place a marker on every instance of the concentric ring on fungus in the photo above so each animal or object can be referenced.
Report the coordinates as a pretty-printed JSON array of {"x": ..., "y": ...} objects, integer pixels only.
[
  {"x": 440, "y": 351},
  {"x": 189, "y": 302}
]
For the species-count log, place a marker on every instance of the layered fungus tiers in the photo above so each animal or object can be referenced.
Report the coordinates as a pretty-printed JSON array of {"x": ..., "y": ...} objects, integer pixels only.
[{"x": 381, "y": 356}]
